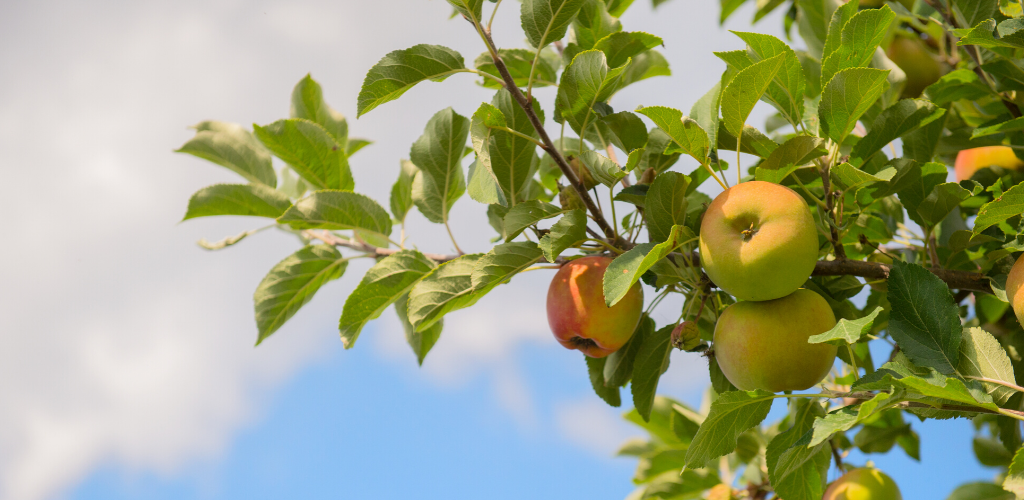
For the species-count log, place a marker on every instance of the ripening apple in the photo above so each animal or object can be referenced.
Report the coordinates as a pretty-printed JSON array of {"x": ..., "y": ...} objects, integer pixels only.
[
  {"x": 969, "y": 161},
  {"x": 577, "y": 312},
  {"x": 758, "y": 241},
  {"x": 763, "y": 345},
  {"x": 911, "y": 55},
  {"x": 866, "y": 483},
  {"x": 1015, "y": 289}
]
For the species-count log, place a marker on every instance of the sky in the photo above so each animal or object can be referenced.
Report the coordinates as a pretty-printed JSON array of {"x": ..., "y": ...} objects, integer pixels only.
[{"x": 127, "y": 367}]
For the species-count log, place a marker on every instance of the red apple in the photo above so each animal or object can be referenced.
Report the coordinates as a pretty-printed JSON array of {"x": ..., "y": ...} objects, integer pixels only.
[
  {"x": 969, "y": 161},
  {"x": 763, "y": 345},
  {"x": 863, "y": 484},
  {"x": 1015, "y": 289},
  {"x": 577, "y": 312},
  {"x": 758, "y": 241}
]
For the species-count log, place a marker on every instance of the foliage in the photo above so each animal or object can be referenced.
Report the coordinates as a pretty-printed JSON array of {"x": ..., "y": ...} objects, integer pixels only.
[{"x": 840, "y": 112}]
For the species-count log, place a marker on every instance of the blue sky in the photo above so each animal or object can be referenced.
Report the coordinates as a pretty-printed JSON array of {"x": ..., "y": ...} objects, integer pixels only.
[{"x": 128, "y": 365}]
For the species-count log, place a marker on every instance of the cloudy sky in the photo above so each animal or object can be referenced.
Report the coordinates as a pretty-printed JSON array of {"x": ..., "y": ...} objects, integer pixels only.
[{"x": 127, "y": 367}]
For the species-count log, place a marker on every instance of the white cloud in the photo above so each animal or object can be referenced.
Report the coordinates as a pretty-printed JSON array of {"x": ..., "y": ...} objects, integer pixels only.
[
  {"x": 122, "y": 342},
  {"x": 593, "y": 425}
]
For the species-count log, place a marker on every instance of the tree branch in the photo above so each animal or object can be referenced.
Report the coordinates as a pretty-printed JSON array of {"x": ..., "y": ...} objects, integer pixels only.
[{"x": 549, "y": 146}]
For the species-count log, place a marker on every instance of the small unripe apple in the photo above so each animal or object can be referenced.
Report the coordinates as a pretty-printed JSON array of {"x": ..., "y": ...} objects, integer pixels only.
[
  {"x": 1015, "y": 289},
  {"x": 758, "y": 241},
  {"x": 570, "y": 199},
  {"x": 648, "y": 176},
  {"x": 578, "y": 315},
  {"x": 911, "y": 55},
  {"x": 863, "y": 484},
  {"x": 969, "y": 161},
  {"x": 582, "y": 173},
  {"x": 686, "y": 336},
  {"x": 763, "y": 345}
]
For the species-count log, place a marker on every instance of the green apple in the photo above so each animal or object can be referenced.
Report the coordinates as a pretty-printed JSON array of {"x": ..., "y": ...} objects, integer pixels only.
[
  {"x": 578, "y": 315},
  {"x": 911, "y": 55},
  {"x": 1015, "y": 289},
  {"x": 763, "y": 345},
  {"x": 758, "y": 241},
  {"x": 863, "y": 484}
]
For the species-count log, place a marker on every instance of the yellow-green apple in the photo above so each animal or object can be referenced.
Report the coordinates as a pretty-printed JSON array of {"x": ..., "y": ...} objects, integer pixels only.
[
  {"x": 758, "y": 241},
  {"x": 866, "y": 483},
  {"x": 1015, "y": 289},
  {"x": 582, "y": 173},
  {"x": 911, "y": 55},
  {"x": 763, "y": 345},
  {"x": 578, "y": 315},
  {"x": 969, "y": 161}
]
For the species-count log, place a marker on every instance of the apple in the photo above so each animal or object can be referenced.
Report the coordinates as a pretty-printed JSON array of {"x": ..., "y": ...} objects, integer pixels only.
[
  {"x": 577, "y": 313},
  {"x": 1015, "y": 289},
  {"x": 582, "y": 173},
  {"x": 758, "y": 241},
  {"x": 969, "y": 161},
  {"x": 866, "y": 483},
  {"x": 911, "y": 55},
  {"x": 763, "y": 345}
]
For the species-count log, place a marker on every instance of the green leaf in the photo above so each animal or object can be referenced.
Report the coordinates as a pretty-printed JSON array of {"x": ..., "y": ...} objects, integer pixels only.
[
  {"x": 625, "y": 130},
  {"x": 654, "y": 155},
  {"x": 846, "y": 97},
  {"x": 753, "y": 142},
  {"x": 400, "y": 70},
  {"x": 1007, "y": 126},
  {"x": 501, "y": 264},
  {"x": 546, "y": 21},
  {"x": 308, "y": 103},
  {"x": 446, "y": 288},
  {"x": 310, "y": 150},
  {"x": 592, "y": 24},
  {"x": 728, "y": 7},
  {"x": 924, "y": 321},
  {"x": 603, "y": 170},
  {"x": 527, "y": 214},
  {"x": 797, "y": 471},
  {"x": 647, "y": 65},
  {"x": 846, "y": 417},
  {"x": 982, "y": 36},
  {"x": 568, "y": 231},
  {"x": 666, "y": 204},
  {"x": 401, "y": 191},
  {"x": 627, "y": 268},
  {"x": 683, "y": 130},
  {"x": 730, "y": 415},
  {"x": 237, "y": 199},
  {"x": 438, "y": 154},
  {"x": 791, "y": 155},
  {"x": 980, "y": 491},
  {"x": 519, "y": 63},
  {"x": 898, "y": 119},
  {"x": 651, "y": 361},
  {"x": 927, "y": 382},
  {"x": 975, "y": 11},
  {"x": 469, "y": 8},
  {"x": 746, "y": 88},
  {"x": 482, "y": 187},
  {"x": 705, "y": 111},
  {"x": 619, "y": 368},
  {"x": 383, "y": 284},
  {"x": 847, "y": 331},
  {"x": 856, "y": 44},
  {"x": 982, "y": 356},
  {"x": 585, "y": 82},
  {"x": 1014, "y": 481},
  {"x": 609, "y": 393},
  {"x": 1010, "y": 204},
  {"x": 913, "y": 183},
  {"x": 622, "y": 46},
  {"x": 355, "y": 144},
  {"x": 481, "y": 130},
  {"x": 618, "y": 7},
  {"x": 420, "y": 342},
  {"x": 229, "y": 145},
  {"x": 786, "y": 91},
  {"x": 956, "y": 85},
  {"x": 291, "y": 283},
  {"x": 512, "y": 158},
  {"x": 338, "y": 210},
  {"x": 941, "y": 201}
]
